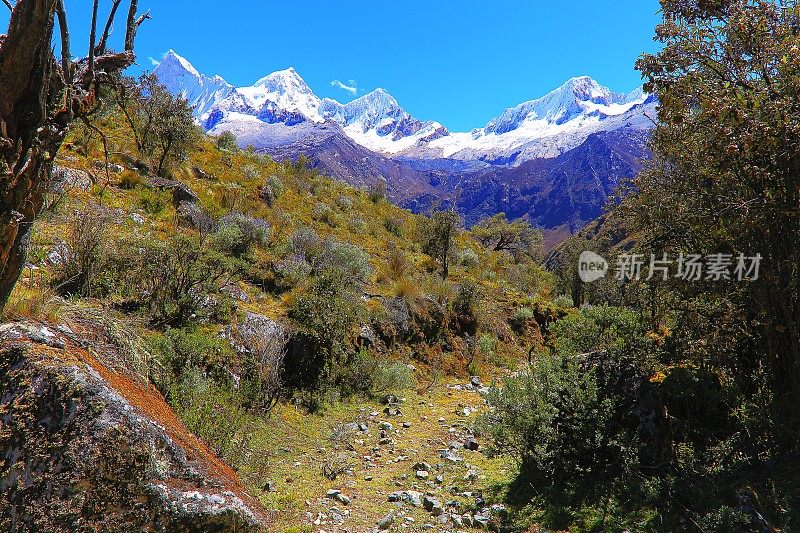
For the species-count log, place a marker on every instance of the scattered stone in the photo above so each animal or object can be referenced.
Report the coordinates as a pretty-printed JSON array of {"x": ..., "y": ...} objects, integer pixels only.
[
  {"x": 386, "y": 521},
  {"x": 449, "y": 456},
  {"x": 137, "y": 218},
  {"x": 385, "y": 441},
  {"x": 363, "y": 427},
  {"x": 472, "y": 445},
  {"x": 432, "y": 505},
  {"x": 343, "y": 499},
  {"x": 457, "y": 520},
  {"x": 422, "y": 474},
  {"x": 406, "y": 425},
  {"x": 439, "y": 479},
  {"x": 332, "y": 493},
  {"x": 386, "y": 426},
  {"x": 270, "y": 486},
  {"x": 368, "y": 478},
  {"x": 475, "y": 381},
  {"x": 423, "y": 466},
  {"x": 58, "y": 254},
  {"x": 392, "y": 411}
]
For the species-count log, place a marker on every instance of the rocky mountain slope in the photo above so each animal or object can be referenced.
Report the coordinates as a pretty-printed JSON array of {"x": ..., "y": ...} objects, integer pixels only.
[{"x": 553, "y": 159}]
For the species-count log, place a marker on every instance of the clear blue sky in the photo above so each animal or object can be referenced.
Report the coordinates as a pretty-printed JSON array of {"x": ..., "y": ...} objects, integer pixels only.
[{"x": 459, "y": 62}]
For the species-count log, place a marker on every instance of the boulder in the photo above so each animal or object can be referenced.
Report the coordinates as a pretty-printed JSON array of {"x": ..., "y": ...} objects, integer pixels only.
[
  {"x": 65, "y": 179},
  {"x": 180, "y": 191},
  {"x": 90, "y": 447}
]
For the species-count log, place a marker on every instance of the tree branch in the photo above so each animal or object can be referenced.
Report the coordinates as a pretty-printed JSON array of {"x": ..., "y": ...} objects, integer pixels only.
[
  {"x": 130, "y": 30},
  {"x": 66, "y": 56},
  {"x": 101, "y": 46},
  {"x": 92, "y": 40},
  {"x": 8, "y": 5}
]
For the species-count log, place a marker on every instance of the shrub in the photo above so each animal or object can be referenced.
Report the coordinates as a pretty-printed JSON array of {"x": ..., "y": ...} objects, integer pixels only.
[
  {"x": 346, "y": 261},
  {"x": 356, "y": 225},
  {"x": 325, "y": 316},
  {"x": 344, "y": 202},
  {"x": 291, "y": 271},
  {"x": 271, "y": 190},
  {"x": 568, "y": 418},
  {"x": 323, "y": 213},
  {"x": 129, "y": 181},
  {"x": 250, "y": 172},
  {"x": 393, "y": 225},
  {"x": 397, "y": 264},
  {"x": 153, "y": 202},
  {"x": 487, "y": 344},
  {"x": 263, "y": 362},
  {"x": 366, "y": 374},
  {"x": 377, "y": 191},
  {"x": 468, "y": 258},
  {"x": 175, "y": 278},
  {"x": 238, "y": 232},
  {"x": 181, "y": 349},
  {"x": 227, "y": 141},
  {"x": 84, "y": 264}
]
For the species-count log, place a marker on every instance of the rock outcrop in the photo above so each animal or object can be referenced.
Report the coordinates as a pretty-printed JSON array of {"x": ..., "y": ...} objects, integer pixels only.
[{"x": 87, "y": 448}]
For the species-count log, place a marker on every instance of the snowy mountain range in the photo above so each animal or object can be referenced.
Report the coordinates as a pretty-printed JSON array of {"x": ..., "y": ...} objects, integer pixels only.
[{"x": 422, "y": 161}]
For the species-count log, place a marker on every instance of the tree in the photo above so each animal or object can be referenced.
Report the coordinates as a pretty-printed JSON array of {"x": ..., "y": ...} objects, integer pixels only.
[
  {"x": 162, "y": 125},
  {"x": 724, "y": 179},
  {"x": 40, "y": 97},
  {"x": 517, "y": 238},
  {"x": 438, "y": 235}
]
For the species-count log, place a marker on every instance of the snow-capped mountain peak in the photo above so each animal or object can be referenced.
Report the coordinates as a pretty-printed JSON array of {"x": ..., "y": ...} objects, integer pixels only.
[
  {"x": 180, "y": 77},
  {"x": 283, "y": 90},
  {"x": 376, "y": 121},
  {"x": 577, "y": 97}
]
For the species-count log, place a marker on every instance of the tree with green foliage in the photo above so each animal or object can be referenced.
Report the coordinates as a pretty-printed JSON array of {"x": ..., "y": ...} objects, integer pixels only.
[
  {"x": 517, "y": 237},
  {"x": 227, "y": 141},
  {"x": 162, "y": 125},
  {"x": 724, "y": 179},
  {"x": 438, "y": 237}
]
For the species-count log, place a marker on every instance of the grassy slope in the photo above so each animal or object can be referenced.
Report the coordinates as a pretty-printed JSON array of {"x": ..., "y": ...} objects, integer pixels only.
[{"x": 290, "y": 436}]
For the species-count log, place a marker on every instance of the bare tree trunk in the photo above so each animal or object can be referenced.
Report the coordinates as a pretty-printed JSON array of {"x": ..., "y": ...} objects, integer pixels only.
[{"x": 39, "y": 98}]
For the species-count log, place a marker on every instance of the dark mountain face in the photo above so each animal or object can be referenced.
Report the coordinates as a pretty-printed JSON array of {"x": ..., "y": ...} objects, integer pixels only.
[{"x": 560, "y": 193}]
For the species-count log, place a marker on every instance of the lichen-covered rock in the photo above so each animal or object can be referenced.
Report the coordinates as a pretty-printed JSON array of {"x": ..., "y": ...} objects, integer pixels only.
[{"x": 85, "y": 448}]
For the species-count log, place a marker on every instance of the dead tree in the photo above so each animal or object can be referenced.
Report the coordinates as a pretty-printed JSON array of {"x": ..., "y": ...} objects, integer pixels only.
[{"x": 40, "y": 96}]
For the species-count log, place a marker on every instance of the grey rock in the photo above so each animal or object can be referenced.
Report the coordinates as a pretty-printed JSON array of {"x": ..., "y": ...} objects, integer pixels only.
[
  {"x": 180, "y": 191},
  {"x": 385, "y": 522},
  {"x": 432, "y": 505}
]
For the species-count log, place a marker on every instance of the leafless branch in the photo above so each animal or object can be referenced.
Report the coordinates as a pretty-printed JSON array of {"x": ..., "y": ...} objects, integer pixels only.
[
  {"x": 101, "y": 46},
  {"x": 66, "y": 56},
  {"x": 130, "y": 30},
  {"x": 145, "y": 16},
  {"x": 92, "y": 41},
  {"x": 8, "y": 5}
]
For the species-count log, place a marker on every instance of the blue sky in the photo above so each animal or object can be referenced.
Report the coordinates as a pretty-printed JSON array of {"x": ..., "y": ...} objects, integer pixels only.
[{"x": 459, "y": 62}]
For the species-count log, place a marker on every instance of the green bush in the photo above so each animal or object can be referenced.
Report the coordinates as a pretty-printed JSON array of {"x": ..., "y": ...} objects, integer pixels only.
[
  {"x": 393, "y": 225},
  {"x": 325, "y": 315},
  {"x": 567, "y": 419},
  {"x": 344, "y": 202},
  {"x": 174, "y": 279},
  {"x": 227, "y": 141},
  {"x": 238, "y": 232}
]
